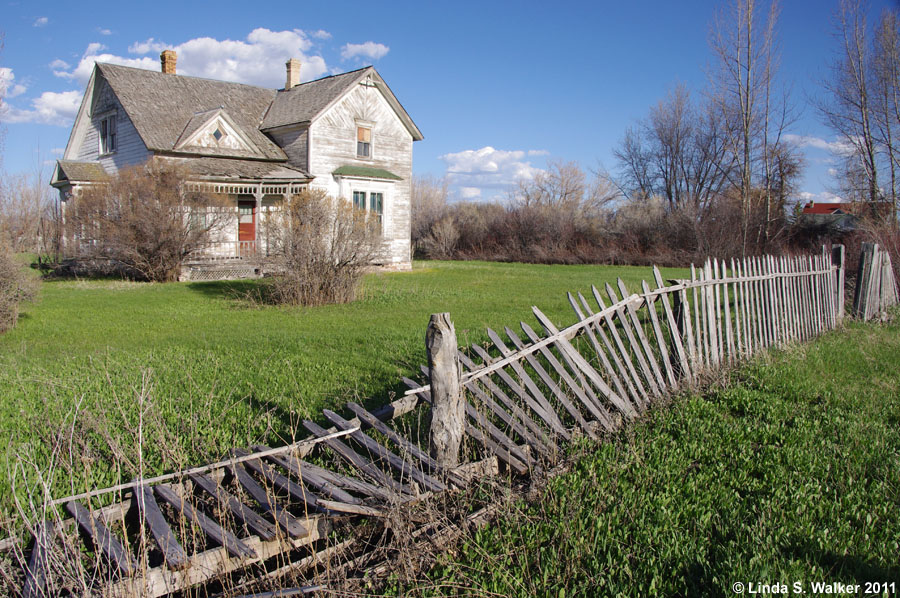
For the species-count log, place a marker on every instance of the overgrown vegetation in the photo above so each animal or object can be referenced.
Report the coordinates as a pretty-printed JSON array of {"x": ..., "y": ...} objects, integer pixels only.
[
  {"x": 15, "y": 287},
  {"x": 787, "y": 471},
  {"x": 143, "y": 223},
  {"x": 322, "y": 247},
  {"x": 218, "y": 372}
]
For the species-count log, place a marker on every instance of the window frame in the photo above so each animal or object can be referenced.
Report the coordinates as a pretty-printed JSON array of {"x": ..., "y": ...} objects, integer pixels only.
[
  {"x": 107, "y": 134},
  {"x": 360, "y": 127}
]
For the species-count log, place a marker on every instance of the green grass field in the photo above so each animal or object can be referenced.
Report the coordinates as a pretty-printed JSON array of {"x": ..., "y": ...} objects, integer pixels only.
[
  {"x": 215, "y": 372},
  {"x": 788, "y": 473}
]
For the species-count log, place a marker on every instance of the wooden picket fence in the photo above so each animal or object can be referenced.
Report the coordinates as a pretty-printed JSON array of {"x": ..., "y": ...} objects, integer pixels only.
[
  {"x": 876, "y": 287},
  {"x": 525, "y": 396}
]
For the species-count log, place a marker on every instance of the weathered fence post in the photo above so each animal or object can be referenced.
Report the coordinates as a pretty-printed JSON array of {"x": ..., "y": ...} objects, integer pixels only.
[
  {"x": 447, "y": 407},
  {"x": 863, "y": 281},
  {"x": 837, "y": 259}
]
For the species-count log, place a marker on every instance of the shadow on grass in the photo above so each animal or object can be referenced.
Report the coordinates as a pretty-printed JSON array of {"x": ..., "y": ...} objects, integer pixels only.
[
  {"x": 243, "y": 291},
  {"x": 842, "y": 567}
]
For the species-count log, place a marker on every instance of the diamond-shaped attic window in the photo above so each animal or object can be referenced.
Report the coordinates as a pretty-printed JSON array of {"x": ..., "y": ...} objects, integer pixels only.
[{"x": 218, "y": 134}]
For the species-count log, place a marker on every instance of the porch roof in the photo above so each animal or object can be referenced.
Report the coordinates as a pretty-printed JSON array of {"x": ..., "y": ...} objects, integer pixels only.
[
  {"x": 75, "y": 171},
  {"x": 243, "y": 170}
]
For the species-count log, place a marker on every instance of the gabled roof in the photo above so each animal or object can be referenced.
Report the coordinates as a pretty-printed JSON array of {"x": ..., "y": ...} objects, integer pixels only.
[
  {"x": 304, "y": 102},
  {"x": 161, "y": 105},
  {"x": 827, "y": 208}
]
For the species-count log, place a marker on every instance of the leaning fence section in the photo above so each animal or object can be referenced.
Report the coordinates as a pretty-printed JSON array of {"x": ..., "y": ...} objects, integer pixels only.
[
  {"x": 517, "y": 401},
  {"x": 876, "y": 286}
]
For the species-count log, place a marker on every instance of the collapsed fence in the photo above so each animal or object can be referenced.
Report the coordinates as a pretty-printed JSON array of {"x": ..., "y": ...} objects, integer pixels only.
[
  {"x": 876, "y": 288},
  {"x": 509, "y": 406}
]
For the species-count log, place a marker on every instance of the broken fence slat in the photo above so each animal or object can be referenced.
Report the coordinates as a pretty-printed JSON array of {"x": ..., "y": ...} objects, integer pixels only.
[
  {"x": 241, "y": 512},
  {"x": 361, "y": 463},
  {"x": 526, "y": 378},
  {"x": 296, "y": 490},
  {"x": 593, "y": 331},
  {"x": 577, "y": 361},
  {"x": 36, "y": 571},
  {"x": 658, "y": 334},
  {"x": 549, "y": 417},
  {"x": 639, "y": 395},
  {"x": 151, "y": 514},
  {"x": 401, "y": 465},
  {"x": 102, "y": 538},
  {"x": 552, "y": 385},
  {"x": 350, "y": 483},
  {"x": 402, "y": 443},
  {"x": 268, "y": 503},
  {"x": 516, "y": 418},
  {"x": 674, "y": 332},
  {"x": 312, "y": 480},
  {"x": 232, "y": 543}
]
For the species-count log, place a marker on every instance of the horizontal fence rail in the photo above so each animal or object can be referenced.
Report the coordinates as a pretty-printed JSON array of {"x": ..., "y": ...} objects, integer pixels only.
[{"x": 524, "y": 396}]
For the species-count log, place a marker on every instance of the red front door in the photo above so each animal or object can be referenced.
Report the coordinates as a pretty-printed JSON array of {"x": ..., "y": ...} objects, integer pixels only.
[{"x": 246, "y": 227}]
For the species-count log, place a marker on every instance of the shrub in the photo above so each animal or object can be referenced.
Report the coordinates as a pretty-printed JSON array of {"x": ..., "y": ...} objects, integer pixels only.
[
  {"x": 323, "y": 247},
  {"x": 15, "y": 286},
  {"x": 144, "y": 220}
]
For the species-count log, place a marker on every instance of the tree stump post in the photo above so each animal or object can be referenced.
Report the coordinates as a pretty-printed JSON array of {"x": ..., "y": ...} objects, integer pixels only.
[
  {"x": 837, "y": 258},
  {"x": 447, "y": 408}
]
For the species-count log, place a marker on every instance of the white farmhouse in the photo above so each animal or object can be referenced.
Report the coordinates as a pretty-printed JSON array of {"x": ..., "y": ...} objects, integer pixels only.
[{"x": 347, "y": 134}]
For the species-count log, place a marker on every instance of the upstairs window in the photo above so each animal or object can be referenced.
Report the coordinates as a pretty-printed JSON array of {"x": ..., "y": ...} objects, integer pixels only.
[
  {"x": 108, "y": 134},
  {"x": 363, "y": 142}
]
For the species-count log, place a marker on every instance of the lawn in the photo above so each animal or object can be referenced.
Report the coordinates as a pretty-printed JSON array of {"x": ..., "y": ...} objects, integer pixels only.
[
  {"x": 789, "y": 472},
  {"x": 196, "y": 370}
]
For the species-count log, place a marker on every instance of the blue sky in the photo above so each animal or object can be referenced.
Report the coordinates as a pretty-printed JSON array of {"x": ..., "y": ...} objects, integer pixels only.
[{"x": 498, "y": 89}]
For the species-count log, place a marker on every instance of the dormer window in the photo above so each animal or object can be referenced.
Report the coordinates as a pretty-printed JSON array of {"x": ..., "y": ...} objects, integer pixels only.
[
  {"x": 108, "y": 134},
  {"x": 363, "y": 142}
]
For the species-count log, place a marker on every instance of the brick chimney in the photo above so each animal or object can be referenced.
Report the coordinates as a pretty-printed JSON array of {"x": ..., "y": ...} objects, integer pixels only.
[
  {"x": 167, "y": 60},
  {"x": 293, "y": 73}
]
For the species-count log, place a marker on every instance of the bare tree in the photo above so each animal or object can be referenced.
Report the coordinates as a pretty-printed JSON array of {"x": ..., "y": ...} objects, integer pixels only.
[
  {"x": 848, "y": 108},
  {"x": 323, "y": 247},
  {"x": 145, "y": 219},
  {"x": 27, "y": 207},
  {"x": 428, "y": 206},
  {"x": 677, "y": 153},
  {"x": 756, "y": 113},
  {"x": 885, "y": 81}
]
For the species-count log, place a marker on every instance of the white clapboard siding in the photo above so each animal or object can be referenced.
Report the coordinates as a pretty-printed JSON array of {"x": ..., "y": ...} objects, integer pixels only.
[
  {"x": 130, "y": 148},
  {"x": 332, "y": 144}
]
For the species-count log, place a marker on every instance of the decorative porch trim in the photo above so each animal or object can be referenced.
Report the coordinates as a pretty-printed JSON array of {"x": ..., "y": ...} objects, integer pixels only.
[{"x": 256, "y": 189}]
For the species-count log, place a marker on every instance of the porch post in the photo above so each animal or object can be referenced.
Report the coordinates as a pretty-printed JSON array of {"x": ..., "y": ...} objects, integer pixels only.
[{"x": 257, "y": 196}]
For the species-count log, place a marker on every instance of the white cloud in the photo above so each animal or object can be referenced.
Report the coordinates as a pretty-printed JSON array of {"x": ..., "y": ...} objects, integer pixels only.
[
  {"x": 59, "y": 65},
  {"x": 474, "y": 171},
  {"x": 258, "y": 60},
  {"x": 104, "y": 31},
  {"x": 50, "y": 108},
  {"x": 41, "y": 21},
  {"x": 821, "y": 197},
  {"x": 370, "y": 50},
  {"x": 8, "y": 87},
  {"x": 145, "y": 47},
  {"x": 840, "y": 147},
  {"x": 320, "y": 34}
]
